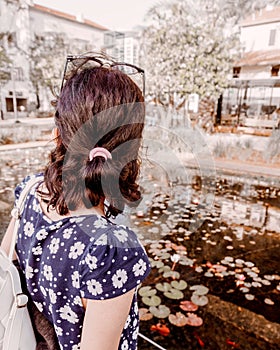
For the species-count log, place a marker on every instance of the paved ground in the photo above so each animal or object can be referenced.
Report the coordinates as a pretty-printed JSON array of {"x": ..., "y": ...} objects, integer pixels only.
[{"x": 265, "y": 169}]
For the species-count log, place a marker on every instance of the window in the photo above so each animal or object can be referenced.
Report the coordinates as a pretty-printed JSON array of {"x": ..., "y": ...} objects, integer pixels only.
[
  {"x": 272, "y": 36},
  {"x": 18, "y": 73},
  {"x": 236, "y": 72},
  {"x": 275, "y": 71}
]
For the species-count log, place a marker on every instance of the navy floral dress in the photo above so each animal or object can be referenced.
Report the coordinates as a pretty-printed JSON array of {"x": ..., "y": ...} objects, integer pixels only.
[{"x": 78, "y": 257}]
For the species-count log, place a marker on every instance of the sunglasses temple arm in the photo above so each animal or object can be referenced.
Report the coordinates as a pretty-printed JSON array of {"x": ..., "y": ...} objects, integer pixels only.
[{"x": 64, "y": 72}]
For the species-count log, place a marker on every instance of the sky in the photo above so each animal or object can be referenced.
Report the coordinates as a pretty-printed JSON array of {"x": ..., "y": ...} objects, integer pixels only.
[{"x": 113, "y": 14}]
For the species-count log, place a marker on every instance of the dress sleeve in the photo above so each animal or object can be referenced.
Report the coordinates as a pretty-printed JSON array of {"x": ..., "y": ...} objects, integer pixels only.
[{"x": 113, "y": 264}]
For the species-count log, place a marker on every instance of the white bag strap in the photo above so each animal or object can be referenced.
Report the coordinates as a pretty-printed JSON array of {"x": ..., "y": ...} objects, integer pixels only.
[{"x": 17, "y": 211}]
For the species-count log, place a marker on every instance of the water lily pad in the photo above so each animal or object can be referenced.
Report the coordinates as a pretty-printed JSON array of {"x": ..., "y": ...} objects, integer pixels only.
[
  {"x": 164, "y": 268},
  {"x": 147, "y": 291},
  {"x": 157, "y": 263},
  {"x": 179, "y": 320},
  {"x": 249, "y": 296},
  {"x": 163, "y": 287},
  {"x": 194, "y": 320},
  {"x": 144, "y": 314},
  {"x": 154, "y": 300},
  {"x": 188, "y": 305},
  {"x": 199, "y": 300},
  {"x": 164, "y": 256},
  {"x": 181, "y": 285},
  {"x": 199, "y": 289},
  {"x": 174, "y": 294},
  {"x": 268, "y": 301},
  {"x": 265, "y": 282},
  {"x": 186, "y": 261},
  {"x": 172, "y": 274},
  {"x": 256, "y": 284},
  {"x": 156, "y": 245},
  {"x": 161, "y": 311},
  {"x": 228, "y": 258}
]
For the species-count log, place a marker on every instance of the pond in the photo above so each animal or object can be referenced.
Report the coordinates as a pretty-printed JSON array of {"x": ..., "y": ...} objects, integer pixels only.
[{"x": 215, "y": 281}]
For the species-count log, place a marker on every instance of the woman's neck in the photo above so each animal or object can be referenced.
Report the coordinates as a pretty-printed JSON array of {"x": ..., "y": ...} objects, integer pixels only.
[{"x": 82, "y": 210}]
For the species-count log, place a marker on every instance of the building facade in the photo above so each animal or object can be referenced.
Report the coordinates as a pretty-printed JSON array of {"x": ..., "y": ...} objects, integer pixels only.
[
  {"x": 255, "y": 82},
  {"x": 123, "y": 46},
  {"x": 24, "y": 26}
]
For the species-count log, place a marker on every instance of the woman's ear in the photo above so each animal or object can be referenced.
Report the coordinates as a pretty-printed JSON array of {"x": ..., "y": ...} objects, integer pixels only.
[{"x": 55, "y": 134}]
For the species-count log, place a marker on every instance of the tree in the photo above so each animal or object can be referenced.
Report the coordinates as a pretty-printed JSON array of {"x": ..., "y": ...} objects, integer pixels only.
[
  {"x": 183, "y": 56},
  {"x": 47, "y": 55},
  {"x": 190, "y": 46},
  {"x": 47, "y": 58}
]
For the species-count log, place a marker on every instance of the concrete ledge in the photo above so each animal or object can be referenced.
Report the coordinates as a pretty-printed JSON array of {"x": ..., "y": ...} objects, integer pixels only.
[{"x": 249, "y": 331}]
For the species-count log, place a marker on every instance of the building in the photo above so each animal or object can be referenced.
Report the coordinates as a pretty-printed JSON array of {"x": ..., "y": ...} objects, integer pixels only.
[
  {"x": 24, "y": 26},
  {"x": 123, "y": 46},
  {"x": 255, "y": 84}
]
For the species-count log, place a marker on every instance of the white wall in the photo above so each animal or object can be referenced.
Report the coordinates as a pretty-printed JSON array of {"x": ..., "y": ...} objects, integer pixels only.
[{"x": 256, "y": 37}]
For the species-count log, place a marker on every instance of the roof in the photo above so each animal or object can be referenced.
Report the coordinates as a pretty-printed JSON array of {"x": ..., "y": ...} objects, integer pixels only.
[
  {"x": 266, "y": 15},
  {"x": 259, "y": 58},
  {"x": 67, "y": 16}
]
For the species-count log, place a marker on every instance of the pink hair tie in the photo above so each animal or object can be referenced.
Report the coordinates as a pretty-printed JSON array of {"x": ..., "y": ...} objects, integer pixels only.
[{"x": 99, "y": 152}]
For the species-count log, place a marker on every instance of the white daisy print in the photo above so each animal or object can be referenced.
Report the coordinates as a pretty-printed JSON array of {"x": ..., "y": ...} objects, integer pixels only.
[
  {"x": 128, "y": 320},
  {"x": 100, "y": 223},
  {"x": 58, "y": 330},
  {"x": 66, "y": 313},
  {"x": 29, "y": 272},
  {"x": 135, "y": 334},
  {"x": 67, "y": 233},
  {"x": 139, "y": 268},
  {"x": 77, "y": 219},
  {"x": 47, "y": 272},
  {"x": 76, "y": 347},
  {"x": 39, "y": 306},
  {"x": 102, "y": 240},
  {"x": 53, "y": 296},
  {"x": 76, "y": 250},
  {"x": 119, "y": 278},
  {"x": 75, "y": 279},
  {"x": 77, "y": 301},
  {"x": 54, "y": 245},
  {"x": 28, "y": 229},
  {"x": 121, "y": 235},
  {"x": 56, "y": 225},
  {"x": 42, "y": 234},
  {"x": 36, "y": 206},
  {"x": 91, "y": 261},
  {"x": 43, "y": 290},
  {"x": 124, "y": 345},
  {"x": 94, "y": 287},
  {"x": 37, "y": 250}
]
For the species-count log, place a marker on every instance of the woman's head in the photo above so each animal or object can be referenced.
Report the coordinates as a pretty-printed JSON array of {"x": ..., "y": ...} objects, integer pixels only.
[{"x": 97, "y": 107}]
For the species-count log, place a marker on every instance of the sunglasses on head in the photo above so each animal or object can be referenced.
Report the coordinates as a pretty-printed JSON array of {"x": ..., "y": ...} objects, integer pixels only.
[{"x": 76, "y": 62}]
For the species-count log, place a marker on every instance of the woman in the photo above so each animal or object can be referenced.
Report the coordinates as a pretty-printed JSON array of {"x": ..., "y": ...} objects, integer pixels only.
[{"x": 81, "y": 269}]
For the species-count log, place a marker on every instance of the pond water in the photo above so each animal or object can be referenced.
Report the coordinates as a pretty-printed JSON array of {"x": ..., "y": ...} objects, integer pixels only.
[{"x": 229, "y": 245}]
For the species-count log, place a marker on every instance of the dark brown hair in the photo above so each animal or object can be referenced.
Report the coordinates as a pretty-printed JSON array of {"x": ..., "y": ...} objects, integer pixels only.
[{"x": 97, "y": 107}]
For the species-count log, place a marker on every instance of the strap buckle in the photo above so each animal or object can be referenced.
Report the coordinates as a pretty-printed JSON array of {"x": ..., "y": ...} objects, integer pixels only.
[{"x": 21, "y": 300}]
